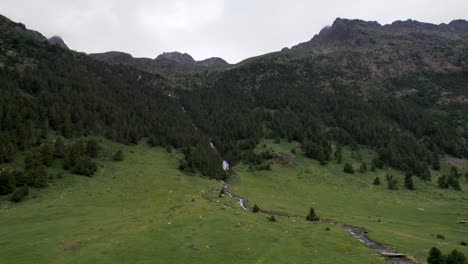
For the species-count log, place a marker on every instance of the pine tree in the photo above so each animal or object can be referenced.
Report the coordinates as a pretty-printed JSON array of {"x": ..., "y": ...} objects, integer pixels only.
[
  {"x": 435, "y": 162},
  {"x": 255, "y": 208},
  {"x": 312, "y": 216},
  {"x": 435, "y": 256},
  {"x": 409, "y": 181},
  {"x": 339, "y": 154},
  {"x": 348, "y": 168},
  {"x": 59, "y": 148},
  {"x": 363, "y": 168},
  {"x": 377, "y": 181},
  {"x": 391, "y": 182},
  {"x": 455, "y": 257}
]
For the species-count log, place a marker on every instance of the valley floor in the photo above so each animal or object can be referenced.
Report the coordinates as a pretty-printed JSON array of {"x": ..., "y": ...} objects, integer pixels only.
[{"x": 143, "y": 210}]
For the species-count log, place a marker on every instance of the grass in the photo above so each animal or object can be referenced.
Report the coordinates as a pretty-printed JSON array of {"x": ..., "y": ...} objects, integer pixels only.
[
  {"x": 407, "y": 220},
  {"x": 143, "y": 210}
]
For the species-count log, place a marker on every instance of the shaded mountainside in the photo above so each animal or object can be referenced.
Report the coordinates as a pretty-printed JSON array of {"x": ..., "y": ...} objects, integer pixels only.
[
  {"x": 45, "y": 88},
  {"x": 168, "y": 62},
  {"x": 339, "y": 90}
]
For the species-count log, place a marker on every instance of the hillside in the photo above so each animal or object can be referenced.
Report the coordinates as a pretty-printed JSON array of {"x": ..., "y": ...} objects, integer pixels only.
[{"x": 169, "y": 145}]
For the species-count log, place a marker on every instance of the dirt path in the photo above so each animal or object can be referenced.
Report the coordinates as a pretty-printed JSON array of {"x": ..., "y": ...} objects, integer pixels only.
[{"x": 358, "y": 232}]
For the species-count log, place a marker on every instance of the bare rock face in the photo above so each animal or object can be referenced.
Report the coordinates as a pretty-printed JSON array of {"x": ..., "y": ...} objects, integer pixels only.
[
  {"x": 181, "y": 58},
  {"x": 57, "y": 40}
]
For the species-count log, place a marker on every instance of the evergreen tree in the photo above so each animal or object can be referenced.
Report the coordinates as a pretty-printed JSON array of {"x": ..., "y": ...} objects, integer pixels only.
[
  {"x": 455, "y": 257},
  {"x": 339, "y": 154},
  {"x": 453, "y": 182},
  {"x": 118, "y": 156},
  {"x": 363, "y": 168},
  {"x": 312, "y": 216},
  {"x": 92, "y": 148},
  {"x": 392, "y": 183},
  {"x": 435, "y": 256},
  {"x": 435, "y": 162},
  {"x": 377, "y": 181},
  {"x": 409, "y": 181},
  {"x": 442, "y": 182},
  {"x": 348, "y": 168},
  {"x": 59, "y": 148},
  {"x": 255, "y": 208}
]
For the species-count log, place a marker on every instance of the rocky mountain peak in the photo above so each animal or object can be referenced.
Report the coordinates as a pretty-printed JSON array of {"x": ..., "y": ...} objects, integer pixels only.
[
  {"x": 57, "y": 40},
  {"x": 181, "y": 58}
]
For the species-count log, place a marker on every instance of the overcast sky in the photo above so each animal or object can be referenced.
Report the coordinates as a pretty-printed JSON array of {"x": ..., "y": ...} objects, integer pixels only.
[{"x": 231, "y": 29}]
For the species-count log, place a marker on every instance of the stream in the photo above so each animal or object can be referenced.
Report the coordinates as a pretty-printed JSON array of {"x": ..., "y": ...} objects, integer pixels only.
[{"x": 357, "y": 232}]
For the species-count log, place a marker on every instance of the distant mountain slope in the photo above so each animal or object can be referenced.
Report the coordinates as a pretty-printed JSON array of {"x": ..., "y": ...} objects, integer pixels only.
[
  {"x": 395, "y": 49},
  {"x": 168, "y": 62}
]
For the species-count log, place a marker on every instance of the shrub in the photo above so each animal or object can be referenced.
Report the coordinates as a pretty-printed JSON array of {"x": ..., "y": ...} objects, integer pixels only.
[
  {"x": 85, "y": 166},
  {"x": 455, "y": 257},
  {"x": 7, "y": 182},
  {"x": 118, "y": 156},
  {"x": 376, "y": 181},
  {"x": 255, "y": 208},
  {"x": 312, "y": 216},
  {"x": 435, "y": 256},
  {"x": 392, "y": 183},
  {"x": 92, "y": 148},
  {"x": 463, "y": 243},
  {"x": 439, "y": 236},
  {"x": 19, "y": 194},
  {"x": 327, "y": 229},
  {"x": 409, "y": 181},
  {"x": 348, "y": 168},
  {"x": 272, "y": 218},
  {"x": 363, "y": 168}
]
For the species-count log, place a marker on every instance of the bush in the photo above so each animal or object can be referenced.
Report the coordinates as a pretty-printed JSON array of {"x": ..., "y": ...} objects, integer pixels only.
[
  {"x": 348, "y": 168},
  {"x": 439, "y": 236},
  {"x": 409, "y": 181},
  {"x": 392, "y": 183},
  {"x": 255, "y": 208},
  {"x": 19, "y": 194},
  {"x": 85, "y": 166},
  {"x": 272, "y": 218},
  {"x": 463, "y": 243},
  {"x": 435, "y": 256},
  {"x": 363, "y": 168},
  {"x": 377, "y": 181},
  {"x": 7, "y": 182},
  {"x": 92, "y": 148},
  {"x": 118, "y": 156},
  {"x": 312, "y": 216}
]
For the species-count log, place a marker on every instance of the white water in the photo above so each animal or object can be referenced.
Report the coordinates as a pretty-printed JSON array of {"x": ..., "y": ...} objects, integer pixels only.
[{"x": 224, "y": 164}]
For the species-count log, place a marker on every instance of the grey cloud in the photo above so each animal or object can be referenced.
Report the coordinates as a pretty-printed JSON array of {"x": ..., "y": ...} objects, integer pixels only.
[{"x": 232, "y": 29}]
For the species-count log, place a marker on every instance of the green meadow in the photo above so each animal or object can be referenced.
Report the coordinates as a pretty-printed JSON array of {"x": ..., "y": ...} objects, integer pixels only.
[
  {"x": 143, "y": 210},
  {"x": 408, "y": 220}
]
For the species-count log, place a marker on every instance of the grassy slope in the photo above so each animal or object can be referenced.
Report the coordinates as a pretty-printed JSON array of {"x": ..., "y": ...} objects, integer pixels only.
[
  {"x": 141, "y": 211},
  {"x": 409, "y": 220}
]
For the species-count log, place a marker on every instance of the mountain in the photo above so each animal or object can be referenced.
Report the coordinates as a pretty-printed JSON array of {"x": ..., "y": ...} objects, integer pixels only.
[
  {"x": 395, "y": 49},
  {"x": 168, "y": 62},
  {"x": 57, "y": 40},
  {"x": 399, "y": 89}
]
